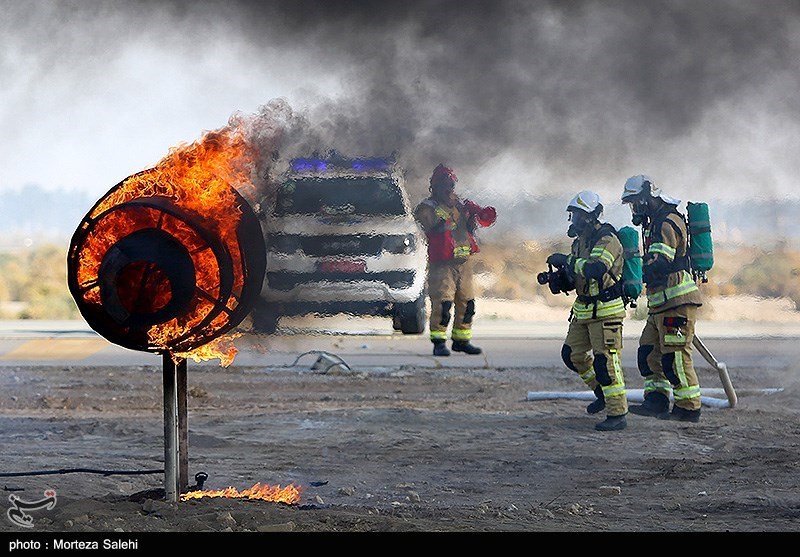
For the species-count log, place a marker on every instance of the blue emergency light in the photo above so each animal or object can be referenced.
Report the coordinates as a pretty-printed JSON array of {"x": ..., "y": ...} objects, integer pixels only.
[
  {"x": 306, "y": 165},
  {"x": 315, "y": 164}
]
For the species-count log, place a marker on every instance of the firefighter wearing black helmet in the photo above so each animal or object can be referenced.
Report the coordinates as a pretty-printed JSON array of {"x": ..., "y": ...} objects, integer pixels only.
[
  {"x": 593, "y": 345},
  {"x": 665, "y": 346}
]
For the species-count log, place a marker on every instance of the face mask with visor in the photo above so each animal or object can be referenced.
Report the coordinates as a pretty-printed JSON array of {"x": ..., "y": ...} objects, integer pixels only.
[
  {"x": 638, "y": 211},
  {"x": 579, "y": 221}
]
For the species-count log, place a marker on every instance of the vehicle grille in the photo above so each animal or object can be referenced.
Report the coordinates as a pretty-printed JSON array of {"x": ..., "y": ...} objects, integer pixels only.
[
  {"x": 332, "y": 245},
  {"x": 286, "y": 281}
]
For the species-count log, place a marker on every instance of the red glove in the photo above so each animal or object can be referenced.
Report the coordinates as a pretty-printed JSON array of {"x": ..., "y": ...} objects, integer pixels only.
[{"x": 485, "y": 216}]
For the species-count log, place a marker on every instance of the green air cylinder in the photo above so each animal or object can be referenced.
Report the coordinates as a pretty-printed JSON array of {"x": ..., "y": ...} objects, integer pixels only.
[
  {"x": 631, "y": 264},
  {"x": 701, "y": 251}
]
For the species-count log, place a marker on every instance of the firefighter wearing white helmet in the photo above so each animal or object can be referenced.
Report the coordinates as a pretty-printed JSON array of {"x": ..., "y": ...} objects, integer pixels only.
[
  {"x": 665, "y": 346},
  {"x": 593, "y": 345}
]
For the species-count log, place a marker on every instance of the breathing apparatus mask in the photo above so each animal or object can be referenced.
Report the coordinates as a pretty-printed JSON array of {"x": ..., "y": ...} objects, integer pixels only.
[
  {"x": 639, "y": 206},
  {"x": 580, "y": 221},
  {"x": 643, "y": 196}
]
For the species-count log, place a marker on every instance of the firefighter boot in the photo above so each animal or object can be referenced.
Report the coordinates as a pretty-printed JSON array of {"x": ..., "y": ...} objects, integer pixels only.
[
  {"x": 683, "y": 415},
  {"x": 655, "y": 405},
  {"x": 465, "y": 346},
  {"x": 612, "y": 423},
  {"x": 439, "y": 348},
  {"x": 597, "y": 405}
]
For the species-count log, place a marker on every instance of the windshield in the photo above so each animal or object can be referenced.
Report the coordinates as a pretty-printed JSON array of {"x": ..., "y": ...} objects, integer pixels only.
[{"x": 340, "y": 196}]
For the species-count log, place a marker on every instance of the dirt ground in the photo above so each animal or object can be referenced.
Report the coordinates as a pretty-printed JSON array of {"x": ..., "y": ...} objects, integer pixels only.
[{"x": 394, "y": 450}]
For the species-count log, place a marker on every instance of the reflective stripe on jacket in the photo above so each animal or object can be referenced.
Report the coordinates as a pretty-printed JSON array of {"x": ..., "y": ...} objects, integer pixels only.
[
  {"x": 666, "y": 238},
  {"x": 597, "y": 298},
  {"x": 446, "y": 230}
]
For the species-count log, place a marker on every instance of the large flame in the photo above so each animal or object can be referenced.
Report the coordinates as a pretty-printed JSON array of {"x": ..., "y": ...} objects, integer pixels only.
[
  {"x": 277, "y": 494},
  {"x": 198, "y": 178}
]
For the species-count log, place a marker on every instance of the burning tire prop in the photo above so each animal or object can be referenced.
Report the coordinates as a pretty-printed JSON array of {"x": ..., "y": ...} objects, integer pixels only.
[
  {"x": 161, "y": 267},
  {"x": 168, "y": 261}
]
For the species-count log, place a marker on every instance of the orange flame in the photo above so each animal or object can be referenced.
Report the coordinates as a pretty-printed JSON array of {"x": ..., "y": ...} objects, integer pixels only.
[
  {"x": 199, "y": 178},
  {"x": 221, "y": 348},
  {"x": 276, "y": 494},
  {"x": 198, "y": 175}
]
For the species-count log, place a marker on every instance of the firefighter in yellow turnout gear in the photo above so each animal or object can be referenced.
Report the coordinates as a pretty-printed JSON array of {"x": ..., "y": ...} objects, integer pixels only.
[
  {"x": 665, "y": 346},
  {"x": 593, "y": 345},
  {"x": 449, "y": 223}
]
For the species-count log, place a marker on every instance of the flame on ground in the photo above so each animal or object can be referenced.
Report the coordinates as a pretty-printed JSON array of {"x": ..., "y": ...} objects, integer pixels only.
[{"x": 276, "y": 494}]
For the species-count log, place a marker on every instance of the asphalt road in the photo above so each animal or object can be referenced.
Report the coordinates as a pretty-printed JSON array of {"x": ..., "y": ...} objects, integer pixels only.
[{"x": 354, "y": 344}]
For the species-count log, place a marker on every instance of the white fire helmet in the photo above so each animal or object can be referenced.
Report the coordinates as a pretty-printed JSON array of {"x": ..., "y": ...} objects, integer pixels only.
[
  {"x": 641, "y": 182},
  {"x": 587, "y": 201}
]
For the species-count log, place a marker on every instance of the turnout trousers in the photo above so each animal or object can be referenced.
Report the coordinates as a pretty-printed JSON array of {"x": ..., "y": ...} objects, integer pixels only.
[
  {"x": 452, "y": 296},
  {"x": 593, "y": 349},
  {"x": 665, "y": 356}
]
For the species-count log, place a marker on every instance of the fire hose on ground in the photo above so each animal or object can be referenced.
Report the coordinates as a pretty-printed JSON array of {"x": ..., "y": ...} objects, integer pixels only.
[{"x": 637, "y": 395}]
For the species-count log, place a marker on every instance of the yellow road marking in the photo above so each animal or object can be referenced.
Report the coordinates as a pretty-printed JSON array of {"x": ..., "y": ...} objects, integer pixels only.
[{"x": 56, "y": 349}]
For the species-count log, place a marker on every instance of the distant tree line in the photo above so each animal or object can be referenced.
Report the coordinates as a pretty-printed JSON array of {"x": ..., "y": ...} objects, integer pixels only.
[
  {"x": 33, "y": 282},
  {"x": 508, "y": 270},
  {"x": 33, "y": 285}
]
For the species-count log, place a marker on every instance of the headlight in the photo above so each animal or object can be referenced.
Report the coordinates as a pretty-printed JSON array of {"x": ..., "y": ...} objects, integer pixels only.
[{"x": 400, "y": 244}]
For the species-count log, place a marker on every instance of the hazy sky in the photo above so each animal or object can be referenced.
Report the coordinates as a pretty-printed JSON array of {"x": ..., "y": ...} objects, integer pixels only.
[{"x": 520, "y": 97}]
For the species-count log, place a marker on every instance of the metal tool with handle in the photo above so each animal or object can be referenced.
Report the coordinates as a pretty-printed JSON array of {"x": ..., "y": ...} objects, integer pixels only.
[{"x": 720, "y": 367}]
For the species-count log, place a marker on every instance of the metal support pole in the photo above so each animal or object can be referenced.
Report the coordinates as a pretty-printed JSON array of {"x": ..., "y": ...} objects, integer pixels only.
[
  {"x": 170, "y": 430},
  {"x": 176, "y": 458},
  {"x": 183, "y": 431}
]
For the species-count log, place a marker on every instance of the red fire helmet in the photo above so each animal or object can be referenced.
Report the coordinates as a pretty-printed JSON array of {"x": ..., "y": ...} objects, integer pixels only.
[{"x": 443, "y": 176}]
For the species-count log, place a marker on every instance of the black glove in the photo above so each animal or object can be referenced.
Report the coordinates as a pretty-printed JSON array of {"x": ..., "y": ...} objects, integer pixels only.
[
  {"x": 558, "y": 260},
  {"x": 647, "y": 275},
  {"x": 651, "y": 277}
]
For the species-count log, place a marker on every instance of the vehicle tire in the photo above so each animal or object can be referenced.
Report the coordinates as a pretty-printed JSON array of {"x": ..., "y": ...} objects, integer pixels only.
[
  {"x": 265, "y": 316},
  {"x": 411, "y": 318}
]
